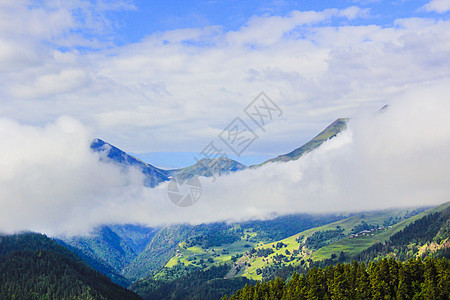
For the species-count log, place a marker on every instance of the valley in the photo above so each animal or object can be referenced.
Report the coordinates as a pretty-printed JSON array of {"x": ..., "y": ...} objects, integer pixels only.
[{"x": 212, "y": 260}]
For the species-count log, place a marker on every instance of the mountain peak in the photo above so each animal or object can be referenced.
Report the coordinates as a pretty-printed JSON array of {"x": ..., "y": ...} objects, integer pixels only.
[
  {"x": 328, "y": 133},
  {"x": 211, "y": 166},
  {"x": 153, "y": 175}
]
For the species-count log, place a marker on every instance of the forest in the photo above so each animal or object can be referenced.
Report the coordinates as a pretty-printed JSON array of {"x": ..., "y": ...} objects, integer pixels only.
[
  {"x": 33, "y": 266},
  {"x": 384, "y": 279}
]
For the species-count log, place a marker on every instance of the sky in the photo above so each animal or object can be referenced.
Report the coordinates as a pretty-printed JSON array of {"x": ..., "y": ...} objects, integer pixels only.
[{"x": 163, "y": 79}]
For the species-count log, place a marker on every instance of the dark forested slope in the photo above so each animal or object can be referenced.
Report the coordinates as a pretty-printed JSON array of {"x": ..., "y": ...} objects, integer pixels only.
[{"x": 33, "y": 266}]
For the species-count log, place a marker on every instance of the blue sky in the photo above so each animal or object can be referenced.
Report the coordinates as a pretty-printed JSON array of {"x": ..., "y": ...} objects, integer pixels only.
[{"x": 149, "y": 17}]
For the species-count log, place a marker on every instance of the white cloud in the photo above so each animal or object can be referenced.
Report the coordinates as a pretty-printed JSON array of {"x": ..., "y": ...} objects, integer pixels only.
[
  {"x": 396, "y": 158},
  {"x": 176, "y": 91},
  {"x": 65, "y": 81},
  {"x": 440, "y": 6},
  {"x": 51, "y": 182},
  {"x": 353, "y": 12}
]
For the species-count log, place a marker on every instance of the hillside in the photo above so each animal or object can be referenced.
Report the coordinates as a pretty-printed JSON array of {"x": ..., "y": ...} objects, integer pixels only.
[
  {"x": 153, "y": 259},
  {"x": 217, "y": 243},
  {"x": 208, "y": 247},
  {"x": 126, "y": 252},
  {"x": 192, "y": 246},
  {"x": 339, "y": 241},
  {"x": 241, "y": 252},
  {"x": 110, "y": 249},
  {"x": 33, "y": 266},
  {"x": 412, "y": 263},
  {"x": 158, "y": 251}
]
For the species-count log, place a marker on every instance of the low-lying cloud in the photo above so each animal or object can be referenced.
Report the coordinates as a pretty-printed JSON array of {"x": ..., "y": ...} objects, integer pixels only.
[{"x": 51, "y": 182}]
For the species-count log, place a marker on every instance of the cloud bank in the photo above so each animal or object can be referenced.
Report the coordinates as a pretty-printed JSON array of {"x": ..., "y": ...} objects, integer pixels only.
[
  {"x": 176, "y": 90},
  {"x": 51, "y": 182}
]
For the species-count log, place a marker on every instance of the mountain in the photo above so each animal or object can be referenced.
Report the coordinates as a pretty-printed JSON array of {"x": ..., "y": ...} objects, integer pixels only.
[
  {"x": 173, "y": 244},
  {"x": 162, "y": 263},
  {"x": 205, "y": 167},
  {"x": 129, "y": 252},
  {"x": 263, "y": 250},
  {"x": 33, "y": 266},
  {"x": 158, "y": 251},
  {"x": 153, "y": 175},
  {"x": 331, "y": 131},
  {"x": 209, "y": 167},
  {"x": 409, "y": 262},
  {"x": 110, "y": 249},
  {"x": 168, "y": 262}
]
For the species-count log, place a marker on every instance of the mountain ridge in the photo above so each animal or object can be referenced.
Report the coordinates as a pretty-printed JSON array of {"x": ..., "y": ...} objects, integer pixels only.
[
  {"x": 206, "y": 167},
  {"x": 328, "y": 133},
  {"x": 153, "y": 175}
]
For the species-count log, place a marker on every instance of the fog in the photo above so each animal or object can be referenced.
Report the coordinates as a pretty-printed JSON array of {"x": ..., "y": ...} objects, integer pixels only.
[{"x": 51, "y": 182}]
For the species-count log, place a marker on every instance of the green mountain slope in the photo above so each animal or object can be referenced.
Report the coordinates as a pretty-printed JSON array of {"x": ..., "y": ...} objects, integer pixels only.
[
  {"x": 110, "y": 249},
  {"x": 33, "y": 266},
  {"x": 400, "y": 267},
  {"x": 331, "y": 131},
  {"x": 213, "y": 244},
  {"x": 98, "y": 264},
  {"x": 338, "y": 241},
  {"x": 158, "y": 251},
  {"x": 242, "y": 251},
  {"x": 425, "y": 235},
  {"x": 126, "y": 252}
]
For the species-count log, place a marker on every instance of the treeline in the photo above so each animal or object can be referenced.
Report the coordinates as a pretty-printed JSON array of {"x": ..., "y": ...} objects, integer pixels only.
[
  {"x": 33, "y": 266},
  {"x": 385, "y": 279}
]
